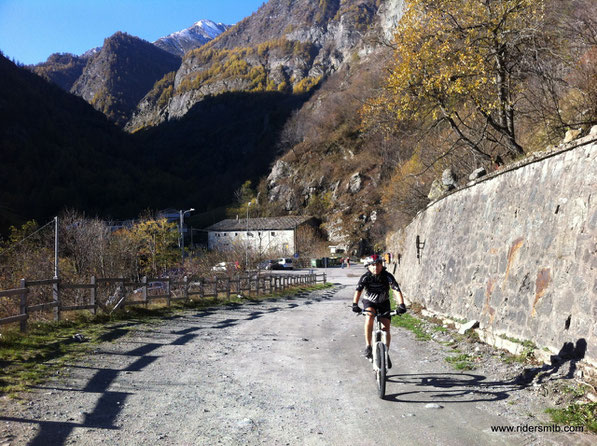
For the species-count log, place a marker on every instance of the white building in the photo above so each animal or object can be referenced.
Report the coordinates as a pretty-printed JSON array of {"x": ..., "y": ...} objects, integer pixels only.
[{"x": 274, "y": 234}]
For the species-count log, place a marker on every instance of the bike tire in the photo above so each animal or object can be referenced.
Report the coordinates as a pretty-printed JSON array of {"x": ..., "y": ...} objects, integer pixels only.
[{"x": 381, "y": 370}]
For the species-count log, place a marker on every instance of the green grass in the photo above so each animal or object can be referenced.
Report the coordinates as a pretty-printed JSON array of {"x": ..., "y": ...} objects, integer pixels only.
[
  {"x": 31, "y": 358},
  {"x": 529, "y": 345},
  {"x": 413, "y": 324},
  {"x": 461, "y": 361},
  {"x": 575, "y": 391},
  {"x": 576, "y": 415}
]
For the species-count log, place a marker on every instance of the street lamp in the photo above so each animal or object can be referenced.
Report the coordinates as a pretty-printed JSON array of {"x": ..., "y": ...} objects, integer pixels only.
[
  {"x": 182, "y": 213},
  {"x": 247, "y": 244}
]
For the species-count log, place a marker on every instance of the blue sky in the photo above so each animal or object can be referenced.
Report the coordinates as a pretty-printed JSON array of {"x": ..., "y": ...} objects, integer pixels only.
[{"x": 31, "y": 30}]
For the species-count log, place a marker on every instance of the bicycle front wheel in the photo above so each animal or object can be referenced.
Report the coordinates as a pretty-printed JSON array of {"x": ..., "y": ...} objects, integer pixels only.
[{"x": 381, "y": 369}]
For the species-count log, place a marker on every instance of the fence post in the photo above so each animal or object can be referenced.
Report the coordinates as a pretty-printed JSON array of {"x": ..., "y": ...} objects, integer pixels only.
[
  {"x": 238, "y": 290},
  {"x": 93, "y": 295},
  {"x": 185, "y": 285},
  {"x": 24, "y": 305},
  {"x": 144, "y": 286},
  {"x": 201, "y": 288},
  {"x": 228, "y": 287},
  {"x": 56, "y": 296}
]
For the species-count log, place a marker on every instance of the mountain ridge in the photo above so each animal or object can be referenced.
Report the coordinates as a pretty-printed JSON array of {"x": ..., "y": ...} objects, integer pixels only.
[
  {"x": 286, "y": 45},
  {"x": 200, "y": 33}
]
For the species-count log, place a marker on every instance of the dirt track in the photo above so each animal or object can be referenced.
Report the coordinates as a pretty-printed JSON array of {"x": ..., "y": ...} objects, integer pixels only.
[{"x": 284, "y": 372}]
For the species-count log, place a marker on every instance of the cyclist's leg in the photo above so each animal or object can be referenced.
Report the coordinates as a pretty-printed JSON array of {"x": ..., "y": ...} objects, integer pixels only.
[
  {"x": 386, "y": 327},
  {"x": 383, "y": 308},
  {"x": 369, "y": 319}
]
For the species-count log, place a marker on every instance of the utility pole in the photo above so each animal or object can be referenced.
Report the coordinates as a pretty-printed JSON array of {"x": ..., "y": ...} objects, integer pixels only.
[
  {"x": 55, "y": 247},
  {"x": 247, "y": 244},
  {"x": 182, "y": 214}
]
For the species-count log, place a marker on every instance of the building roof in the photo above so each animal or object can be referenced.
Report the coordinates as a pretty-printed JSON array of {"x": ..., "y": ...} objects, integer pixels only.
[{"x": 259, "y": 224}]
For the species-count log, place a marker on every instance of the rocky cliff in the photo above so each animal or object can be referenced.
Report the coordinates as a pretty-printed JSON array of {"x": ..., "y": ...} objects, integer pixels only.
[
  {"x": 116, "y": 78},
  {"x": 288, "y": 46}
]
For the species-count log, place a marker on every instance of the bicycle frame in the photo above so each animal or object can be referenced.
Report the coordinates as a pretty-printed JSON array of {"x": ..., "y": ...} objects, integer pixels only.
[{"x": 380, "y": 350}]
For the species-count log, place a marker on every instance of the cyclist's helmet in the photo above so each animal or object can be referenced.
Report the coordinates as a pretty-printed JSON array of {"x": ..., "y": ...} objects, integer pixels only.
[{"x": 372, "y": 260}]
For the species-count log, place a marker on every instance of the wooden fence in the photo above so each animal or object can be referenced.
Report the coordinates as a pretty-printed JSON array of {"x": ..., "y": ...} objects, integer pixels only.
[{"x": 109, "y": 294}]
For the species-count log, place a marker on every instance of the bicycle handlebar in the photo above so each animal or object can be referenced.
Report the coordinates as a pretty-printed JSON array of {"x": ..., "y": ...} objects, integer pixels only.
[{"x": 386, "y": 314}]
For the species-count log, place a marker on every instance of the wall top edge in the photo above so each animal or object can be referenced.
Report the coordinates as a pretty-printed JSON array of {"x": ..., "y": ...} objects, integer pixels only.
[{"x": 534, "y": 157}]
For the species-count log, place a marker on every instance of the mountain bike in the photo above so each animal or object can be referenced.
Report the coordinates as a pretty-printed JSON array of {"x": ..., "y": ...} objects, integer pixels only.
[{"x": 380, "y": 350}]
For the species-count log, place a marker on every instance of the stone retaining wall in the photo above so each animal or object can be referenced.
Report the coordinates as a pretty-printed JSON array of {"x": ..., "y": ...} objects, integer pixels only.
[{"x": 516, "y": 251}]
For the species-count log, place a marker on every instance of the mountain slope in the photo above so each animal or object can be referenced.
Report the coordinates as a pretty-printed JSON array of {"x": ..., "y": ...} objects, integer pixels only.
[
  {"x": 62, "y": 69},
  {"x": 287, "y": 46},
  {"x": 58, "y": 152},
  {"x": 193, "y": 37},
  {"x": 115, "y": 79}
]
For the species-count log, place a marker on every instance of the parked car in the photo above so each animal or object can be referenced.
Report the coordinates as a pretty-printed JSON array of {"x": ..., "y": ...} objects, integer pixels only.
[
  {"x": 222, "y": 266},
  {"x": 286, "y": 263},
  {"x": 152, "y": 286},
  {"x": 269, "y": 264}
]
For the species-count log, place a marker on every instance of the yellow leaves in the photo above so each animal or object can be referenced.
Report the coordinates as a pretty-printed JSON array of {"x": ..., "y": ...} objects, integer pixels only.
[
  {"x": 156, "y": 241},
  {"x": 306, "y": 84},
  {"x": 445, "y": 54}
]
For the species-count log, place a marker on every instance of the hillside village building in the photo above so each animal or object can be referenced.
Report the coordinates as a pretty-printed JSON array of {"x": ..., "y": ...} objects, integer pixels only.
[{"x": 274, "y": 234}]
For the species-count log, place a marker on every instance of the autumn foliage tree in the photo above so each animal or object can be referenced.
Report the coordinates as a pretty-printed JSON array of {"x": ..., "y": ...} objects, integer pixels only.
[
  {"x": 461, "y": 64},
  {"x": 156, "y": 242}
]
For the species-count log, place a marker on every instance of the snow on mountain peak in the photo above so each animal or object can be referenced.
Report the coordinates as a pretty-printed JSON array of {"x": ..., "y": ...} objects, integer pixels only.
[{"x": 193, "y": 37}]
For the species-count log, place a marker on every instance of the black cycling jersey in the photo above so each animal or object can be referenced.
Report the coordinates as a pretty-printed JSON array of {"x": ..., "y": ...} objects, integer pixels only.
[{"x": 377, "y": 287}]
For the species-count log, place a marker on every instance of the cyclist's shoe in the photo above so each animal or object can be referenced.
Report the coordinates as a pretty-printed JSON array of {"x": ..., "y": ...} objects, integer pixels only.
[
  {"x": 389, "y": 364},
  {"x": 368, "y": 353}
]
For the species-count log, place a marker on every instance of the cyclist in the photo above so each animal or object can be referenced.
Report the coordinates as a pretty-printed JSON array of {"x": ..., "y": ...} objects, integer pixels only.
[{"x": 377, "y": 283}]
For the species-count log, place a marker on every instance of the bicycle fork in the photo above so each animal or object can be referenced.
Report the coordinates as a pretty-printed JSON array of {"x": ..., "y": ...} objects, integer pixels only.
[{"x": 380, "y": 338}]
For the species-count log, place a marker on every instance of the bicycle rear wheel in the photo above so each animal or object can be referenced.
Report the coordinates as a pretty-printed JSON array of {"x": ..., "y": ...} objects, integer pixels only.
[{"x": 381, "y": 369}]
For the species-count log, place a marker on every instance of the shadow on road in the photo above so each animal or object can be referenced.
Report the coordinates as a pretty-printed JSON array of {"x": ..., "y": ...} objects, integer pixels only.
[
  {"x": 110, "y": 403},
  {"x": 449, "y": 388}
]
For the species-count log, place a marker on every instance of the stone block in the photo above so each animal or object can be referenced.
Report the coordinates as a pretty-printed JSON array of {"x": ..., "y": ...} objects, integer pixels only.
[
  {"x": 479, "y": 298},
  {"x": 478, "y": 173},
  {"x": 465, "y": 328}
]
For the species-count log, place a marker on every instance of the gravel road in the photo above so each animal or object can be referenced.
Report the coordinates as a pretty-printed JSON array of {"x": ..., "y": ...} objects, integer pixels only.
[{"x": 278, "y": 372}]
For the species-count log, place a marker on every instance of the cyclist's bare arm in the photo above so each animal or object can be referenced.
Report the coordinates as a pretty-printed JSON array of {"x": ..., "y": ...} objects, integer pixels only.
[{"x": 357, "y": 296}]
